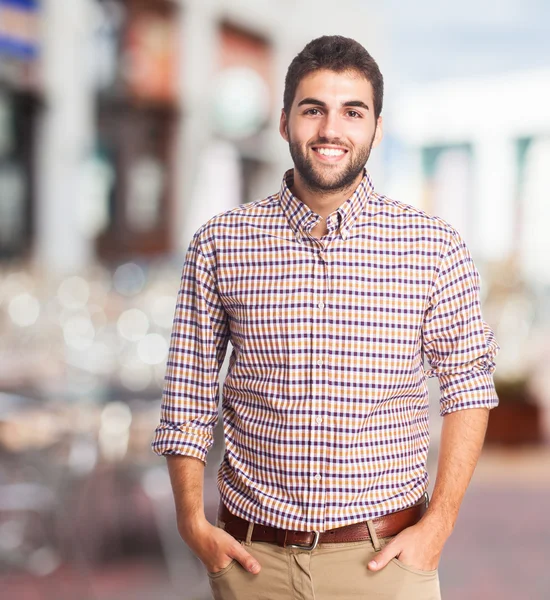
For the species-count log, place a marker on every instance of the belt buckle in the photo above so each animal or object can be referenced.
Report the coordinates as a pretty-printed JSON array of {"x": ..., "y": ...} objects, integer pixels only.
[{"x": 312, "y": 546}]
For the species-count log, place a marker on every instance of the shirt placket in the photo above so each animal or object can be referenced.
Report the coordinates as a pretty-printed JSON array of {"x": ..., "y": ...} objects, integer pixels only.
[{"x": 320, "y": 370}]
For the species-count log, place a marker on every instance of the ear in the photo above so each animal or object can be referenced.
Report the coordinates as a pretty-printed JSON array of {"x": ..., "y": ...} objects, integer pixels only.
[
  {"x": 379, "y": 133},
  {"x": 283, "y": 126}
]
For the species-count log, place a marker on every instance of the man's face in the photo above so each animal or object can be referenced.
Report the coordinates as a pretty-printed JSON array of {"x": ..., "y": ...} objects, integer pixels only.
[{"x": 331, "y": 129}]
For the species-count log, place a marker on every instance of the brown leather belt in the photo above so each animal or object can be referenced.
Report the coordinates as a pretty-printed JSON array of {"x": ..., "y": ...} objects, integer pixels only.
[{"x": 385, "y": 526}]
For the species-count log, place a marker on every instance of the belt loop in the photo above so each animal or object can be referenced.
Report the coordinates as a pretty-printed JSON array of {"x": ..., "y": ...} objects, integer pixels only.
[
  {"x": 374, "y": 536},
  {"x": 248, "y": 540},
  {"x": 281, "y": 535}
]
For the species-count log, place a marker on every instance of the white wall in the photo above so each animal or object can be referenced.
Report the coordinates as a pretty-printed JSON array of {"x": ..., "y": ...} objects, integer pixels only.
[{"x": 491, "y": 114}]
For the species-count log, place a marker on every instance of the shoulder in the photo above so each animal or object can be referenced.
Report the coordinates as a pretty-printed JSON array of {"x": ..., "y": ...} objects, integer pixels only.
[
  {"x": 234, "y": 223},
  {"x": 400, "y": 214},
  {"x": 396, "y": 208}
]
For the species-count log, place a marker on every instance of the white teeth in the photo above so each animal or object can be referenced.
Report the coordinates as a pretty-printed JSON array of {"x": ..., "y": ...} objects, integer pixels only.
[{"x": 330, "y": 151}]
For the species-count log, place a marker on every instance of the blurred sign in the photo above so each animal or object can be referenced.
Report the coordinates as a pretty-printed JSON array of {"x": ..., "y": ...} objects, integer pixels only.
[
  {"x": 150, "y": 56},
  {"x": 19, "y": 28},
  {"x": 241, "y": 102},
  {"x": 242, "y": 91},
  {"x": 240, "y": 48}
]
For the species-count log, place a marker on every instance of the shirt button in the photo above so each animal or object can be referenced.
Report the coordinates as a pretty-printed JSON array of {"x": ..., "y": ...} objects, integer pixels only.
[
  {"x": 321, "y": 305},
  {"x": 317, "y": 477},
  {"x": 320, "y": 362},
  {"x": 318, "y": 420}
]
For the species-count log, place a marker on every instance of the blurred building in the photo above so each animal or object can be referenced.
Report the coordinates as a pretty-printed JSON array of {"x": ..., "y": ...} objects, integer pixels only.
[
  {"x": 20, "y": 100},
  {"x": 475, "y": 150},
  {"x": 125, "y": 124}
]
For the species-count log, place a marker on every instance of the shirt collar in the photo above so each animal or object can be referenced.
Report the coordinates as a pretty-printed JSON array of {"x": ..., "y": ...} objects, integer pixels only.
[{"x": 302, "y": 219}]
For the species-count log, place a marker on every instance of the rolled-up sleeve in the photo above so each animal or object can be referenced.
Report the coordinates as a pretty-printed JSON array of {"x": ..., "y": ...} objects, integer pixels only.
[
  {"x": 200, "y": 334},
  {"x": 458, "y": 344}
]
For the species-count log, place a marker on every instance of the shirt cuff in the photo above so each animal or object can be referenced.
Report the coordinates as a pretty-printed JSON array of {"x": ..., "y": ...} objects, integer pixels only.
[
  {"x": 170, "y": 439},
  {"x": 471, "y": 389}
]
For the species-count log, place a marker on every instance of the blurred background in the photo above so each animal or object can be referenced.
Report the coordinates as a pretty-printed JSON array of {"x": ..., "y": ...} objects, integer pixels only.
[{"x": 125, "y": 125}]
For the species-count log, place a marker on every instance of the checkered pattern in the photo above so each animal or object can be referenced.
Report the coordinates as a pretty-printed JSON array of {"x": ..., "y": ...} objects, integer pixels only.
[{"x": 325, "y": 403}]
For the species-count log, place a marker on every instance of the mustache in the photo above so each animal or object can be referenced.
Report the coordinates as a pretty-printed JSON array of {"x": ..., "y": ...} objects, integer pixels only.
[{"x": 329, "y": 142}]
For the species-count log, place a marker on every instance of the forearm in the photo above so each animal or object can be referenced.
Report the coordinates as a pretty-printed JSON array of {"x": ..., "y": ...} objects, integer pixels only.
[
  {"x": 461, "y": 442},
  {"x": 212, "y": 545},
  {"x": 187, "y": 478}
]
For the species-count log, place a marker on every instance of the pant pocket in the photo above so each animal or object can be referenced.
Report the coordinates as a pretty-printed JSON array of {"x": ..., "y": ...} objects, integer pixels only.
[
  {"x": 413, "y": 570},
  {"x": 223, "y": 571},
  {"x": 407, "y": 583}
]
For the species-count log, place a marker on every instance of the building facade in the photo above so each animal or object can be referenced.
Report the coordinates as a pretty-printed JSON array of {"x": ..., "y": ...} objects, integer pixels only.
[{"x": 140, "y": 119}]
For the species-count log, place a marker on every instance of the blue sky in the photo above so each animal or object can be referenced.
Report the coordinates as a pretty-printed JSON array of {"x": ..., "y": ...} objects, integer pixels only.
[{"x": 433, "y": 39}]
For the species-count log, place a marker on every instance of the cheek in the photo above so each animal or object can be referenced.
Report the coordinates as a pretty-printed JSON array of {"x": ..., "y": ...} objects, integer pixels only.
[
  {"x": 361, "y": 138},
  {"x": 303, "y": 132}
]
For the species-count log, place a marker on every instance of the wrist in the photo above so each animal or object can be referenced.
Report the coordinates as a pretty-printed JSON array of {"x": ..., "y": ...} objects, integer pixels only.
[
  {"x": 437, "y": 525},
  {"x": 190, "y": 527}
]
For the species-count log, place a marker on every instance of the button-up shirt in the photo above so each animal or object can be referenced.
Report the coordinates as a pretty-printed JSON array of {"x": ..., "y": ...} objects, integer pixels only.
[{"x": 325, "y": 402}]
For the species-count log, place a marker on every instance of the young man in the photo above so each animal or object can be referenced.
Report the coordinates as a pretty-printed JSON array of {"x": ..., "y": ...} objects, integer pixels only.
[{"x": 331, "y": 294}]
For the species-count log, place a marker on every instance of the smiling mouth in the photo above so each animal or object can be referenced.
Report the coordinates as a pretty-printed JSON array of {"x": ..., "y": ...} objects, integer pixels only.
[{"x": 333, "y": 153}]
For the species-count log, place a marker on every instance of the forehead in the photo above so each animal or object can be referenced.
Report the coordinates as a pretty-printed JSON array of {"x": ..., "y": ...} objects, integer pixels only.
[{"x": 330, "y": 86}]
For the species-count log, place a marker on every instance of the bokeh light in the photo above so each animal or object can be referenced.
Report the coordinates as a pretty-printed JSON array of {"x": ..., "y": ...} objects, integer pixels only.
[
  {"x": 153, "y": 349},
  {"x": 133, "y": 324},
  {"x": 129, "y": 279},
  {"x": 74, "y": 292},
  {"x": 24, "y": 310},
  {"x": 162, "y": 311}
]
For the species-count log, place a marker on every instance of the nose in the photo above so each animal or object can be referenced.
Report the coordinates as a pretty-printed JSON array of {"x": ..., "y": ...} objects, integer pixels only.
[{"x": 330, "y": 126}]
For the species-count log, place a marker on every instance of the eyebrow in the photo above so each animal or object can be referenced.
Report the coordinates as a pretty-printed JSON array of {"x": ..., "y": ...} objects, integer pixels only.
[{"x": 350, "y": 103}]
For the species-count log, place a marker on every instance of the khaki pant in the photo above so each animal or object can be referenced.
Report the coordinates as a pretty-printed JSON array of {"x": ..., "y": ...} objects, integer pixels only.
[{"x": 330, "y": 572}]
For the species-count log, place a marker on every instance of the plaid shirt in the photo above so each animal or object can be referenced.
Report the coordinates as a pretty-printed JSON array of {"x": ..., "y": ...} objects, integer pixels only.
[{"x": 325, "y": 403}]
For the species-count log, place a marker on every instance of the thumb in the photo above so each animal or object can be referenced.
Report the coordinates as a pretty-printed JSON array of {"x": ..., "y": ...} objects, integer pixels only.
[
  {"x": 383, "y": 557},
  {"x": 246, "y": 559}
]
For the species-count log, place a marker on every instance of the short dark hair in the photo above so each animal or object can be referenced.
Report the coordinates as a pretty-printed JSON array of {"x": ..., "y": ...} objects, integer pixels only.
[{"x": 334, "y": 53}]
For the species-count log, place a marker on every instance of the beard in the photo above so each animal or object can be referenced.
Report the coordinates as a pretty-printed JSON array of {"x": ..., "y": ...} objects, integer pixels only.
[{"x": 316, "y": 180}]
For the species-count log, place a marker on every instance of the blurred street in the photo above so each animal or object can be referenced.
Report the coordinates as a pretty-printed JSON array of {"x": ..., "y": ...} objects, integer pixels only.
[
  {"x": 501, "y": 543},
  {"x": 498, "y": 551}
]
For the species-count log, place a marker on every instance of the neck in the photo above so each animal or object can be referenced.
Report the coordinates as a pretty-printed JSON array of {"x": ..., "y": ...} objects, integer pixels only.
[{"x": 320, "y": 201}]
